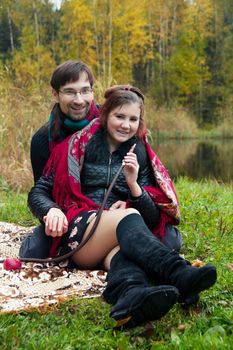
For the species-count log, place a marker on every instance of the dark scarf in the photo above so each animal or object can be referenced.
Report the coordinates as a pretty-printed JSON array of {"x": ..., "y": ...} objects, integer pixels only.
[{"x": 66, "y": 126}]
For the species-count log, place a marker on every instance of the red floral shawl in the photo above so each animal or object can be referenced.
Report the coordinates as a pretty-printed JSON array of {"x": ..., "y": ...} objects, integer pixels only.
[{"x": 65, "y": 163}]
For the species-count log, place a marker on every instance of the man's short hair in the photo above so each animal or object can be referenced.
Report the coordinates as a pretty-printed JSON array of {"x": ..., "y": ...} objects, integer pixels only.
[{"x": 70, "y": 71}]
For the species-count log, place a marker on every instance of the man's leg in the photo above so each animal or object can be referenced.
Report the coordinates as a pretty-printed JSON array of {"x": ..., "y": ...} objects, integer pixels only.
[
  {"x": 36, "y": 244},
  {"x": 172, "y": 238}
]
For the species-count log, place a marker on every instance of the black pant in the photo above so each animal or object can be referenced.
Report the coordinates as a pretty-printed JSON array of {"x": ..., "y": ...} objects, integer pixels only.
[
  {"x": 36, "y": 244},
  {"x": 172, "y": 238}
]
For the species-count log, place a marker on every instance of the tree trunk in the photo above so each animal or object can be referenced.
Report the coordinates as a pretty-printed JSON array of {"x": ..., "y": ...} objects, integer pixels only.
[
  {"x": 96, "y": 39},
  {"x": 109, "y": 43},
  {"x": 36, "y": 25},
  {"x": 103, "y": 61},
  {"x": 10, "y": 30}
]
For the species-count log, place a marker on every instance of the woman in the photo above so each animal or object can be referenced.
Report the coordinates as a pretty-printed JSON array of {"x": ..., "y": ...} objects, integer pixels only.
[{"x": 127, "y": 241}]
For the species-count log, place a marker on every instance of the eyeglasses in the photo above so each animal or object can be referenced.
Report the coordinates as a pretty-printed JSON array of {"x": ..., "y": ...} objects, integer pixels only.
[{"x": 73, "y": 93}]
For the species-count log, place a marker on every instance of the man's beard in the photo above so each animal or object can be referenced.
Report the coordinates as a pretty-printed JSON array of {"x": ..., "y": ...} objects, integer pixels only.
[{"x": 79, "y": 116}]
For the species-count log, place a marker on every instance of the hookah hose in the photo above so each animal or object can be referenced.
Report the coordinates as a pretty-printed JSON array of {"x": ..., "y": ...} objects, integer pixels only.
[{"x": 92, "y": 231}]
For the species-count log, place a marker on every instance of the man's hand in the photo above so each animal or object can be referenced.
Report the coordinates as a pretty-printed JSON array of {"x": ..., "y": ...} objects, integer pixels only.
[
  {"x": 56, "y": 223},
  {"x": 118, "y": 205}
]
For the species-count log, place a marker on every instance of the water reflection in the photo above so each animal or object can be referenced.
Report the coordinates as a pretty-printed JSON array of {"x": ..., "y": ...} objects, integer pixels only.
[{"x": 197, "y": 159}]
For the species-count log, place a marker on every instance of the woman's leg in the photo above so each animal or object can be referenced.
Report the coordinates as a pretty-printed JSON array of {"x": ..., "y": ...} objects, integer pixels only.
[
  {"x": 103, "y": 240},
  {"x": 139, "y": 244},
  {"x": 135, "y": 300},
  {"x": 128, "y": 286},
  {"x": 107, "y": 260}
]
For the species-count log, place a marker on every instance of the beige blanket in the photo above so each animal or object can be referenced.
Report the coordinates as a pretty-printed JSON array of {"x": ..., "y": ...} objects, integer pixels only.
[{"x": 36, "y": 285}]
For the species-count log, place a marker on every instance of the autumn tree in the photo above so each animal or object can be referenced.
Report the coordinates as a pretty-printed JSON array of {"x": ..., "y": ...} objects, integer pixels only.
[
  {"x": 177, "y": 51},
  {"x": 32, "y": 62}
]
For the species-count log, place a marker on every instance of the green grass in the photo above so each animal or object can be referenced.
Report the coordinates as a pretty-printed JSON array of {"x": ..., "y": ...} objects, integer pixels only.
[
  {"x": 206, "y": 209},
  {"x": 14, "y": 209}
]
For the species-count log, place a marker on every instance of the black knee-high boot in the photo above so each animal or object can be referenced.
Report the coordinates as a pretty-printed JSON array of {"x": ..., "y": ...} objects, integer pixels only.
[
  {"x": 141, "y": 246},
  {"x": 135, "y": 301}
]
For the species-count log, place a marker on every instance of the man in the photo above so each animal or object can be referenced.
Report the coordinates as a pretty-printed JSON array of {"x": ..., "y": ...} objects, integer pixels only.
[{"x": 72, "y": 88}]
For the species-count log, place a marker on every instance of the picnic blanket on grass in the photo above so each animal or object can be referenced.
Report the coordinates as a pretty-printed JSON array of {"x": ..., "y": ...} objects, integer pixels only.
[{"x": 37, "y": 285}]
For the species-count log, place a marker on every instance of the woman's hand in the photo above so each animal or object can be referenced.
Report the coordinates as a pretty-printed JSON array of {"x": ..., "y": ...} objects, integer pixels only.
[
  {"x": 118, "y": 205},
  {"x": 56, "y": 223},
  {"x": 131, "y": 169}
]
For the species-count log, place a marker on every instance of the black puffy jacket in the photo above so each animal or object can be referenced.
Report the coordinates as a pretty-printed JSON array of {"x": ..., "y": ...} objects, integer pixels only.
[{"x": 98, "y": 171}]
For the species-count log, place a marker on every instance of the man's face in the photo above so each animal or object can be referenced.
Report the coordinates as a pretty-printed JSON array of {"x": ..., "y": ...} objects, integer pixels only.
[{"x": 75, "y": 106}]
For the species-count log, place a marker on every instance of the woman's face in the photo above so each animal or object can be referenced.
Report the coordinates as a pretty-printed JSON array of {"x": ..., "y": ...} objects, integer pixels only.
[{"x": 122, "y": 124}]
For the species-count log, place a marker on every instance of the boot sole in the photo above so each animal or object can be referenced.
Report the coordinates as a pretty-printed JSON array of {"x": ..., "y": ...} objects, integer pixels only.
[
  {"x": 152, "y": 307},
  {"x": 205, "y": 281}
]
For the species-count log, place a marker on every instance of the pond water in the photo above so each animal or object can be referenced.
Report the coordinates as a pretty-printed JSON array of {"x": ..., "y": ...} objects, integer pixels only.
[{"x": 197, "y": 159}]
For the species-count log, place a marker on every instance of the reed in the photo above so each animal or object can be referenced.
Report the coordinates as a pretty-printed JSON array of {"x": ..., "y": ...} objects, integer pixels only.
[
  {"x": 21, "y": 115},
  {"x": 170, "y": 122},
  {"x": 223, "y": 130}
]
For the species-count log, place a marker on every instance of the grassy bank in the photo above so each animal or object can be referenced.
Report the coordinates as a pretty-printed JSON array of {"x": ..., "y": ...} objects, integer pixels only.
[
  {"x": 84, "y": 324},
  {"x": 178, "y": 123}
]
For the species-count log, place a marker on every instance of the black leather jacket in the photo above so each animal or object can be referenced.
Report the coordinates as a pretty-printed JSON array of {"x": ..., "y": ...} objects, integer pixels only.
[{"x": 99, "y": 169}]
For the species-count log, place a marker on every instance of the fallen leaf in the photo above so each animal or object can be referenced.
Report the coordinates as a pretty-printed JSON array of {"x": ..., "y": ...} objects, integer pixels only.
[
  {"x": 230, "y": 267},
  {"x": 182, "y": 327},
  {"x": 197, "y": 263}
]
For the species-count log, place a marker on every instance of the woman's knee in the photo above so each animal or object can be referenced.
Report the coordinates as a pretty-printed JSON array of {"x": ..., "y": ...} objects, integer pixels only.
[
  {"x": 124, "y": 213},
  {"x": 119, "y": 214},
  {"x": 132, "y": 211}
]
